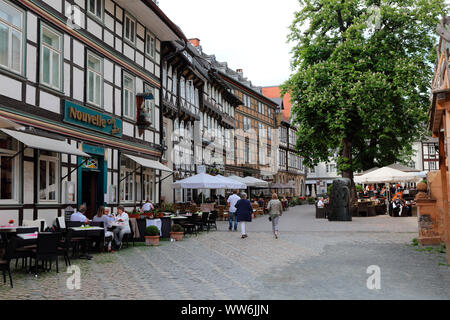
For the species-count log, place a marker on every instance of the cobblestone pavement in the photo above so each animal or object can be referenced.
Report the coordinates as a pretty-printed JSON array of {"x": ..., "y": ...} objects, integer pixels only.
[{"x": 312, "y": 259}]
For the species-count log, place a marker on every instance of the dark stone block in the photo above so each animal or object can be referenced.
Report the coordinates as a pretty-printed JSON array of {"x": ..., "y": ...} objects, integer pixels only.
[{"x": 340, "y": 201}]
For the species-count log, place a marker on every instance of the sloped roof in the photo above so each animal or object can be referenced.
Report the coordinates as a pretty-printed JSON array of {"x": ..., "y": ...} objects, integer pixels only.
[{"x": 275, "y": 93}]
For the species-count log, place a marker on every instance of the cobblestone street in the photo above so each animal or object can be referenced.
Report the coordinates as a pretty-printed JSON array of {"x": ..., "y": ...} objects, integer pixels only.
[{"x": 313, "y": 259}]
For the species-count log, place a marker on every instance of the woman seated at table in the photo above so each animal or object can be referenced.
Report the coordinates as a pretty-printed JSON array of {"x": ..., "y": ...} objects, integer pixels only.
[
  {"x": 120, "y": 231},
  {"x": 147, "y": 207},
  {"x": 102, "y": 217}
]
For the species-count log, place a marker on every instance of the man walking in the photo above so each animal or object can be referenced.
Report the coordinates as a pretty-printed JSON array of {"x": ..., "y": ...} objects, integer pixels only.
[{"x": 232, "y": 200}]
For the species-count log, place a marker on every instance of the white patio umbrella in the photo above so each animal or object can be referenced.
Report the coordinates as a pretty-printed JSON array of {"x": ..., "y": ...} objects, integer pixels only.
[
  {"x": 206, "y": 181},
  {"x": 386, "y": 175},
  {"x": 313, "y": 192},
  {"x": 308, "y": 193},
  {"x": 231, "y": 184},
  {"x": 253, "y": 182}
]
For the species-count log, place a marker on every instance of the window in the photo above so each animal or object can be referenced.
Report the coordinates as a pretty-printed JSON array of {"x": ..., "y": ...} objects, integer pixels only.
[
  {"x": 150, "y": 45},
  {"x": 269, "y": 133},
  {"x": 129, "y": 97},
  {"x": 51, "y": 58},
  {"x": 150, "y": 104},
  {"x": 95, "y": 7},
  {"x": 127, "y": 168},
  {"x": 11, "y": 40},
  {"x": 48, "y": 176},
  {"x": 149, "y": 180},
  {"x": 130, "y": 29},
  {"x": 8, "y": 175},
  {"x": 247, "y": 152},
  {"x": 94, "y": 80}
]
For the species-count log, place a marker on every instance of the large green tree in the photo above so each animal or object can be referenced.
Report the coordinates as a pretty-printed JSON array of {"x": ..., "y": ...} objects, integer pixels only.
[{"x": 361, "y": 81}]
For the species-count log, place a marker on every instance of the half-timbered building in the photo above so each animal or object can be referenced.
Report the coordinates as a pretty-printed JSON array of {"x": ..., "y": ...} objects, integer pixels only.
[{"x": 82, "y": 78}]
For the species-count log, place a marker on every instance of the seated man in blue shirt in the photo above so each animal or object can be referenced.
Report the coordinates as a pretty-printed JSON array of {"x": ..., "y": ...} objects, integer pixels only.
[{"x": 79, "y": 215}]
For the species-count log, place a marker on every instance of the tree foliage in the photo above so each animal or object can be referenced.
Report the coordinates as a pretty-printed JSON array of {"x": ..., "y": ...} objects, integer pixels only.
[{"x": 361, "y": 81}]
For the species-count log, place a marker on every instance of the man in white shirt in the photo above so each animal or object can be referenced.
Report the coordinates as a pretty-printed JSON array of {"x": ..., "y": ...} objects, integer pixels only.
[
  {"x": 320, "y": 204},
  {"x": 79, "y": 215},
  {"x": 232, "y": 200},
  {"x": 120, "y": 231},
  {"x": 148, "y": 206}
]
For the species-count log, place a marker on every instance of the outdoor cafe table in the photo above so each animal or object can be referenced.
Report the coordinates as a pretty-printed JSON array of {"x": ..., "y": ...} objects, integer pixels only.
[
  {"x": 28, "y": 236},
  {"x": 87, "y": 232}
]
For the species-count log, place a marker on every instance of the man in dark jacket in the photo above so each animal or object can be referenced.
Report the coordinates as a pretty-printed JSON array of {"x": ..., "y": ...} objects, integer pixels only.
[{"x": 244, "y": 212}]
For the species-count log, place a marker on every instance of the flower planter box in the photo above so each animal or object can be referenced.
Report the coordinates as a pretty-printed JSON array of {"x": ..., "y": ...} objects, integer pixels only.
[
  {"x": 177, "y": 236},
  {"x": 152, "y": 240}
]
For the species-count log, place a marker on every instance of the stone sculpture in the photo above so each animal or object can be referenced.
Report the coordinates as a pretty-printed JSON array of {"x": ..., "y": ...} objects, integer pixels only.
[{"x": 340, "y": 200}]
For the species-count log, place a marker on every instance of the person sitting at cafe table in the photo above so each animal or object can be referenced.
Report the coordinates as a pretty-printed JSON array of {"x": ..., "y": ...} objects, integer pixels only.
[
  {"x": 110, "y": 216},
  {"x": 102, "y": 217},
  {"x": 398, "y": 195},
  {"x": 120, "y": 231},
  {"x": 79, "y": 215},
  {"x": 148, "y": 206},
  {"x": 320, "y": 203}
]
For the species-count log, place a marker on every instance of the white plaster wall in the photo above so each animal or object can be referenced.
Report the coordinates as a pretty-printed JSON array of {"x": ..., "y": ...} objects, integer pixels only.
[
  {"x": 50, "y": 102},
  {"x": 109, "y": 6},
  {"x": 31, "y": 27},
  {"x": 128, "y": 51},
  {"x": 118, "y": 44},
  {"x": 108, "y": 38},
  {"x": 67, "y": 51},
  {"x": 108, "y": 98},
  {"x": 118, "y": 76},
  {"x": 10, "y": 88},
  {"x": 28, "y": 177},
  {"x": 67, "y": 77},
  {"x": 94, "y": 28},
  {"x": 56, "y": 4},
  {"x": 48, "y": 215},
  {"x": 31, "y": 95},
  {"x": 128, "y": 129},
  {"x": 119, "y": 13},
  {"x": 118, "y": 97},
  {"x": 78, "y": 91},
  {"x": 6, "y": 215},
  {"x": 31, "y": 63},
  {"x": 78, "y": 53},
  {"x": 27, "y": 214}
]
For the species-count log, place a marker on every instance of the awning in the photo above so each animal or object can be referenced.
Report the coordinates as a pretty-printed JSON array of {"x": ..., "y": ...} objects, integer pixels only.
[
  {"x": 147, "y": 163},
  {"x": 8, "y": 124},
  {"x": 44, "y": 143}
]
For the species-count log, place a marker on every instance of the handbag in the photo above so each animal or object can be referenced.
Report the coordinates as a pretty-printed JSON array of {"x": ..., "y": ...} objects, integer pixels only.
[{"x": 270, "y": 218}]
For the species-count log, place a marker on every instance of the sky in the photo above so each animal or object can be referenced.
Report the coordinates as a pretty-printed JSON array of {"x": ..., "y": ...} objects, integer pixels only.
[{"x": 247, "y": 34}]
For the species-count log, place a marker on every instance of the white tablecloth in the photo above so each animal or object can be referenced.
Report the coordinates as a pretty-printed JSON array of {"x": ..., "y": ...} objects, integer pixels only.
[{"x": 154, "y": 222}]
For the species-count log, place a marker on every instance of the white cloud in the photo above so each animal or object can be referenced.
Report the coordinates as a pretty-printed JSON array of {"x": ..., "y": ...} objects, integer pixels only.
[{"x": 248, "y": 34}]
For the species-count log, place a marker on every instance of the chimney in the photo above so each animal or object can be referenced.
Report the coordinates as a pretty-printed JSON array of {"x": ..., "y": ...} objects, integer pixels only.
[
  {"x": 240, "y": 72},
  {"x": 195, "y": 42}
]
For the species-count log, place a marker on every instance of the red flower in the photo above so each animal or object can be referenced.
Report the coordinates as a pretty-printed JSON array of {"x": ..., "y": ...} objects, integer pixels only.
[{"x": 11, "y": 221}]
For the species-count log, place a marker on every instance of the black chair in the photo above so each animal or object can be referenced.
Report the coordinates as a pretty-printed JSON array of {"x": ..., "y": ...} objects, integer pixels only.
[
  {"x": 6, "y": 260},
  {"x": 189, "y": 226},
  {"x": 212, "y": 220},
  {"x": 67, "y": 244},
  {"x": 47, "y": 250},
  {"x": 101, "y": 238},
  {"x": 127, "y": 237},
  {"x": 203, "y": 222}
]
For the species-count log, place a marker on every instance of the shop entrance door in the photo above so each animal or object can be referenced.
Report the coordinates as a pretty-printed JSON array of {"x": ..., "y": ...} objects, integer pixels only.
[{"x": 90, "y": 193}]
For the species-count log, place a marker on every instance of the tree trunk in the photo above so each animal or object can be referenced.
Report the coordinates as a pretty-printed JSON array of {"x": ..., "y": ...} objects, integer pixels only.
[{"x": 348, "y": 173}]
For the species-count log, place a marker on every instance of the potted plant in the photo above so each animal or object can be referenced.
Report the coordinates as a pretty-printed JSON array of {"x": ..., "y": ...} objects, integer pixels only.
[
  {"x": 177, "y": 232},
  {"x": 134, "y": 214},
  {"x": 152, "y": 235}
]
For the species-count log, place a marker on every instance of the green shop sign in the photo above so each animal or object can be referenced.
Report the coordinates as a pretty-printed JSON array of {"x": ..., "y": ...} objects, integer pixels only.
[{"x": 91, "y": 119}]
